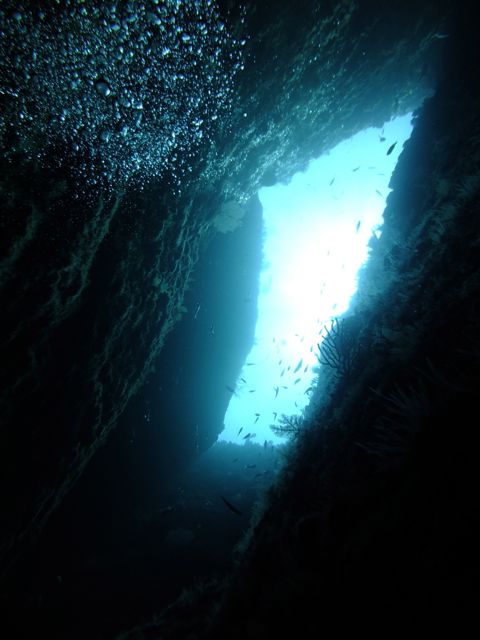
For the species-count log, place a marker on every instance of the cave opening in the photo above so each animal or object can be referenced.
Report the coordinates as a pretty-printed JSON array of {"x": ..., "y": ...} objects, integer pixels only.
[{"x": 316, "y": 233}]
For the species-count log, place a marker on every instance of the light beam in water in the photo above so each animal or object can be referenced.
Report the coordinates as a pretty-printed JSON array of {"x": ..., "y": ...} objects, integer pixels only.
[{"x": 317, "y": 229}]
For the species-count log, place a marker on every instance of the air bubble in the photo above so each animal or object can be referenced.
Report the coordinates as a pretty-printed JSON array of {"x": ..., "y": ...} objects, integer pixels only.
[
  {"x": 103, "y": 88},
  {"x": 148, "y": 78},
  {"x": 124, "y": 101},
  {"x": 154, "y": 19}
]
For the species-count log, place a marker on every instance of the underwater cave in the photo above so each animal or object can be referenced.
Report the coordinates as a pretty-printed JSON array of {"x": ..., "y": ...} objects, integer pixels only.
[{"x": 240, "y": 285}]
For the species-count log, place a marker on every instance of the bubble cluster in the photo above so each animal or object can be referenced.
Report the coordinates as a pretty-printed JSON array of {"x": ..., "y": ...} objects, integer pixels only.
[{"x": 127, "y": 89}]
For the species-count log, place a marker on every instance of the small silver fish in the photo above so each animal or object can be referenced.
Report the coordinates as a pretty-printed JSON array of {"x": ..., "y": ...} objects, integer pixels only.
[
  {"x": 391, "y": 148},
  {"x": 231, "y": 506},
  {"x": 298, "y": 366}
]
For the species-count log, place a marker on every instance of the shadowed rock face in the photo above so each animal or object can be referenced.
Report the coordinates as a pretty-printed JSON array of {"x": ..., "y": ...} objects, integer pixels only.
[{"x": 134, "y": 138}]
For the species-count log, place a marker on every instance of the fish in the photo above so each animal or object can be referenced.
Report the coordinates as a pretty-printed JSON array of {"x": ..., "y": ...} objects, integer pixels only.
[
  {"x": 231, "y": 389},
  {"x": 250, "y": 364},
  {"x": 331, "y": 182},
  {"x": 297, "y": 381},
  {"x": 231, "y": 506},
  {"x": 379, "y": 193},
  {"x": 249, "y": 435},
  {"x": 243, "y": 380},
  {"x": 382, "y": 138},
  {"x": 252, "y": 391},
  {"x": 275, "y": 415},
  {"x": 240, "y": 431},
  {"x": 276, "y": 391},
  {"x": 256, "y": 419},
  {"x": 298, "y": 366},
  {"x": 250, "y": 466},
  {"x": 358, "y": 226},
  {"x": 282, "y": 373},
  {"x": 306, "y": 369},
  {"x": 196, "y": 311},
  {"x": 391, "y": 148},
  {"x": 212, "y": 329},
  {"x": 356, "y": 169}
]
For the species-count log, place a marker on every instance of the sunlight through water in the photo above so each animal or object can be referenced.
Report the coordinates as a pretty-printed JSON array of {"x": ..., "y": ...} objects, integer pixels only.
[{"x": 317, "y": 229}]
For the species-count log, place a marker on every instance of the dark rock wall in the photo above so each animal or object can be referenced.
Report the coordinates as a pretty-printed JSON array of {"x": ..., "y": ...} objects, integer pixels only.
[{"x": 103, "y": 559}]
